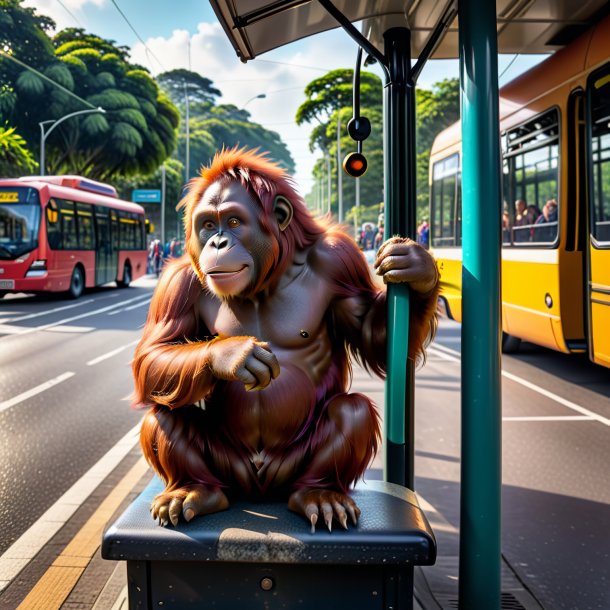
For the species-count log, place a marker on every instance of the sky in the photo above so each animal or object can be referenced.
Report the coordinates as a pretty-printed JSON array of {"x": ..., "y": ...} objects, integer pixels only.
[{"x": 164, "y": 35}]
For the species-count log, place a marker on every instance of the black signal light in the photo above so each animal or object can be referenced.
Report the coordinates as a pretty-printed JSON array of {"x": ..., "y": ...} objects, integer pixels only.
[{"x": 355, "y": 164}]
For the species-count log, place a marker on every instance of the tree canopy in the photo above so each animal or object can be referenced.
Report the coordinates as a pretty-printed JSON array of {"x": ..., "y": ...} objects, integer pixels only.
[{"x": 180, "y": 83}]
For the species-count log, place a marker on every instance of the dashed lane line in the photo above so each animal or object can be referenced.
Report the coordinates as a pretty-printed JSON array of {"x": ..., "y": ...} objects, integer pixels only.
[
  {"x": 46, "y": 312},
  {"x": 57, "y": 582},
  {"x": 27, "y": 546},
  {"x": 114, "y": 313},
  {"x": 11, "y": 402},
  {"x": 454, "y": 356},
  {"x": 110, "y": 354},
  {"x": 34, "y": 329}
]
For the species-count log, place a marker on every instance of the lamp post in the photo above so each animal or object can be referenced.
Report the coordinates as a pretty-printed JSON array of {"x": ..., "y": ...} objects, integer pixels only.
[{"x": 54, "y": 123}]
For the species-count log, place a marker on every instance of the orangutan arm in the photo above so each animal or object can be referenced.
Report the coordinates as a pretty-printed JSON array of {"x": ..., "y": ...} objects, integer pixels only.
[
  {"x": 359, "y": 310},
  {"x": 173, "y": 367}
]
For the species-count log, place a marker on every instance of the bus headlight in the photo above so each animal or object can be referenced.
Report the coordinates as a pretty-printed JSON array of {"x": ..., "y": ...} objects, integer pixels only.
[{"x": 37, "y": 269}]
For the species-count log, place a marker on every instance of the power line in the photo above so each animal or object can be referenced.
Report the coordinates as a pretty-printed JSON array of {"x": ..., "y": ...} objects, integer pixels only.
[
  {"x": 147, "y": 50},
  {"x": 285, "y": 63},
  {"x": 510, "y": 63},
  {"x": 71, "y": 14},
  {"x": 41, "y": 75}
]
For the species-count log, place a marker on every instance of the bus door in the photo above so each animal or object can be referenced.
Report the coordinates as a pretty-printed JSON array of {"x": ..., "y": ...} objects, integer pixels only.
[
  {"x": 114, "y": 250},
  {"x": 599, "y": 247},
  {"x": 104, "y": 271}
]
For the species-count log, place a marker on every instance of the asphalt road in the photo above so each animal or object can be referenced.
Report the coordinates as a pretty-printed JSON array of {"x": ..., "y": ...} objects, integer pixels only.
[
  {"x": 65, "y": 382},
  {"x": 555, "y": 457}
]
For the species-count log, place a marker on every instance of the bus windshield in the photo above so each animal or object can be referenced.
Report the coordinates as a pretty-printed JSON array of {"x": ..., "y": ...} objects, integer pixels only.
[{"x": 19, "y": 221}]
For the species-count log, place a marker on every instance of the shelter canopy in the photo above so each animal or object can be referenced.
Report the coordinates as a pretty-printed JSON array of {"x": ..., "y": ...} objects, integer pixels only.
[{"x": 524, "y": 26}]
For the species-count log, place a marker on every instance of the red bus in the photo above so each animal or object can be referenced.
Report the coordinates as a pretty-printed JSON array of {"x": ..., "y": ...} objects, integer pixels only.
[{"x": 67, "y": 233}]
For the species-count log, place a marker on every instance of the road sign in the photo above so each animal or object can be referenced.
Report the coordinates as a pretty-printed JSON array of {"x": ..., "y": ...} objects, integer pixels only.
[{"x": 146, "y": 196}]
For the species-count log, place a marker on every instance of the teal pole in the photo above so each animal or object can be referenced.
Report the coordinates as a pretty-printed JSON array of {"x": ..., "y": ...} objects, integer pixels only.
[
  {"x": 400, "y": 202},
  {"x": 480, "y": 558}
]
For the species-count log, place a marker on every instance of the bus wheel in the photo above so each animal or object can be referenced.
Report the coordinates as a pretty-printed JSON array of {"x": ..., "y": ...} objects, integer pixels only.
[
  {"x": 510, "y": 344},
  {"x": 124, "y": 283},
  {"x": 77, "y": 283}
]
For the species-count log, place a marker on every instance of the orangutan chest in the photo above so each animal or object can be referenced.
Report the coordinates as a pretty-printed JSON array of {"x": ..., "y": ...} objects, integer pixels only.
[{"x": 289, "y": 317}]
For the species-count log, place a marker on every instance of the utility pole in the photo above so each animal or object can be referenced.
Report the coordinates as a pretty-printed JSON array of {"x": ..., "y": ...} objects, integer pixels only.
[{"x": 339, "y": 172}]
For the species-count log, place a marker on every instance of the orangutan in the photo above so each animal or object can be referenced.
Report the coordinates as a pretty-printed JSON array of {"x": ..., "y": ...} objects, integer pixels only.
[{"x": 244, "y": 363}]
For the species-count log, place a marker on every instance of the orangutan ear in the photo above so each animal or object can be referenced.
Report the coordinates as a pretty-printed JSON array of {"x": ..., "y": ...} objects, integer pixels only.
[{"x": 282, "y": 208}]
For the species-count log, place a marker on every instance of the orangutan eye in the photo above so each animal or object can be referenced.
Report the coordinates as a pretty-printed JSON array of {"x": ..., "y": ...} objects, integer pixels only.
[
  {"x": 209, "y": 225},
  {"x": 233, "y": 223}
]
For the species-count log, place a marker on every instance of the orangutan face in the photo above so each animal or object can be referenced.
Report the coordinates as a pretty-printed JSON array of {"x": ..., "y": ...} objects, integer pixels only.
[{"x": 234, "y": 248}]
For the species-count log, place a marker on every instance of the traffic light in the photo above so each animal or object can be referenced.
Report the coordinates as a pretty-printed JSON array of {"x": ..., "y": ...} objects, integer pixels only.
[{"x": 355, "y": 164}]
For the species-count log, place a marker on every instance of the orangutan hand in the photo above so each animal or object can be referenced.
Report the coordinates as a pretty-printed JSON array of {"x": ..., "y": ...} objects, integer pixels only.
[
  {"x": 402, "y": 260},
  {"x": 243, "y": 359}
]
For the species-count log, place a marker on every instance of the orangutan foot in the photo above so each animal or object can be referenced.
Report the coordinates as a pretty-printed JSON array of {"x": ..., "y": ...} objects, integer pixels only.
[
  {"x": 331, "y": 504},
  {"x": 188, "y": 501}
]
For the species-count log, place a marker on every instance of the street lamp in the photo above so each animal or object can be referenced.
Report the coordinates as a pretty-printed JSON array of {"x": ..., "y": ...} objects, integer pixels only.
[
  {"x": 260, "y": 96},
  {"x": 54, "y": 123}
]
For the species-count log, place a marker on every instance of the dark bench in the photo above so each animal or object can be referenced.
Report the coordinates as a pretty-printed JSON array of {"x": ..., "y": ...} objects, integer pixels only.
[{"x": 264, "y": 556}]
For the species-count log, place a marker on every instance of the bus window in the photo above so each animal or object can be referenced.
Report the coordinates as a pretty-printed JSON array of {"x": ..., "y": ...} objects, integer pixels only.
[
  {"x": 532, "y": 154},
  {"x": 600, "y": 157},
  {"x": 446, "y": 203},
  {"x": 68, "y": 225},
  {"x": 19, "y": 221},
  {"x": 132, "y": 233},
  {"x": 86, "y": 230}
]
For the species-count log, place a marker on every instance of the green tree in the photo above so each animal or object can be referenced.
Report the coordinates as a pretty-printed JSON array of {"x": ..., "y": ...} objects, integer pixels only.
[
  {"x": 76, "y": 71},
  {"x": 15, "y": 158},
  {"x": 328, "y": 99},
  {"x": 436, "y": 109},
  {"x": 180, "y": 82}
]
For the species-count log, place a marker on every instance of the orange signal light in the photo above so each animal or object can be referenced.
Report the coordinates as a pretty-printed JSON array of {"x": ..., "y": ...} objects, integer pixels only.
[{"x": 355, "y": 164}]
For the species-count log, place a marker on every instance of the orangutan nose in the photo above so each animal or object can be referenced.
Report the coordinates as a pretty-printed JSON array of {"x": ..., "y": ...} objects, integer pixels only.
[{"x": 220, "y": 241}]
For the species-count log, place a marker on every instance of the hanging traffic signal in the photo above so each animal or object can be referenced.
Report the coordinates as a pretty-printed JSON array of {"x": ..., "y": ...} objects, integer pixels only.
[{"x": 355, "y": 164}]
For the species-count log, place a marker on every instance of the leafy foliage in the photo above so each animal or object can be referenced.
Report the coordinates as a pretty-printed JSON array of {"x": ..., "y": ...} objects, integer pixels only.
[
  {"x": 15, "y": 158},
  {"x": 330, "y": 97}
]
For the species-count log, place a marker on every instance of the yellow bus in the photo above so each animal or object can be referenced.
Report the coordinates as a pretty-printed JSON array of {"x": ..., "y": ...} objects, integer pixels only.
[{"x": 555, "y": 134}]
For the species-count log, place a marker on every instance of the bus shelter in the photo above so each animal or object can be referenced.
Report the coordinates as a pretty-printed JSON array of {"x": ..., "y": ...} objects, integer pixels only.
[{"x": 401, "y": 35}]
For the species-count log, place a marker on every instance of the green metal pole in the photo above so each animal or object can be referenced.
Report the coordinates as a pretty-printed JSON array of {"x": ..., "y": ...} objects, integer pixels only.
[
  {"x": 399, "y": 207},
  {"x": 480, "y": 558}
]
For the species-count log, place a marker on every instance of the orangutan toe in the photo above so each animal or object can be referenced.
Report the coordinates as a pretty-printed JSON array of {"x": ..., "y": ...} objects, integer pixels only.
[
  {"x": 330, "y": 505},
  {"x": 189, "y": 501}
]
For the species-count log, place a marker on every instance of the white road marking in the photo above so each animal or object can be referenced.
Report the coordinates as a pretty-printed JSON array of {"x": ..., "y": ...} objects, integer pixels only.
[
  {"x": 562, "y": 401},
  {"x": 441, "y": 349},
  {"x": 11, "y": 402},
  {"x": 114, "y": 313},
  {"x": 27, "y": 546},
  {"x": 26, "y": 331},
  {"x": 110, "y": 354},
  {"x": 434, "y": 350},
  {"x": 70, "y": 329},
  {"x": 62, "y": 308}
]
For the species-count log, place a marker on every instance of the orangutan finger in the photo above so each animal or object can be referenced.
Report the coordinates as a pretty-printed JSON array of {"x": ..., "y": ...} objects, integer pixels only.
[
  {"x": 327, "y": 511},
  {"x": 261, "y": 373},
  {"x": 340, "y": 513},
  {"x": 175, "y": 508},
  {"x": 269, "y": 358},
  {"x": 248, "y": 379},
  {"x": 354, "y": 513},
  {"x": 311, "y": 512},
  {"x": 164, "y": 515}
]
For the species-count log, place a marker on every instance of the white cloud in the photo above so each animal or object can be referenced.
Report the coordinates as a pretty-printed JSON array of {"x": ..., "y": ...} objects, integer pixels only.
[
  {"x": 67, "y": 16},
  {"x": 281, "y": 75}
]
